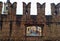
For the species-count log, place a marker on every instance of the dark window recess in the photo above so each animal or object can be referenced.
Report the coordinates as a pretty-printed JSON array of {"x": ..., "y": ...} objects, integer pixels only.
[
  {"x": 55, "y": 12},
  {"x": 26, "y": 11},
  {"x": 6, "y": 8},
  {"x": 0, "y": 25},
  {"x": 10, "y": 28},
  {"x": 18, "y": 23}
]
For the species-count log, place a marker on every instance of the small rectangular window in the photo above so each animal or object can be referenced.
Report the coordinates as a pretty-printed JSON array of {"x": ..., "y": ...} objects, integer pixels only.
[{"x": 34, "y": 30}]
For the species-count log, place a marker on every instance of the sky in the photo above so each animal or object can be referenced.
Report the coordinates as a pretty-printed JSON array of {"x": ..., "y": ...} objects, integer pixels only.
[{"x": 33, "y": 5}]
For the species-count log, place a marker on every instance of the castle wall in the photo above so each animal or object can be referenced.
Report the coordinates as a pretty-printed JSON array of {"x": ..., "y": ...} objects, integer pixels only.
[{"x": 13, "y": 27}]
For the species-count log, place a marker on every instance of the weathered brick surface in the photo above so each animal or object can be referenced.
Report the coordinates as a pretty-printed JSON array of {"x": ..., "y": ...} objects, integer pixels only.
[{"x": 14, "y": 26}]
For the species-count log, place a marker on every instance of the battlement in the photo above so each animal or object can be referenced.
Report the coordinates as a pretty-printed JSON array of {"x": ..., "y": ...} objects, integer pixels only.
[
  {"x": 55, "y": 8},
  {"x": 26, "y": 12},
  {"x": 16, "y": 27},
  {"x": 27, "y": 8}
]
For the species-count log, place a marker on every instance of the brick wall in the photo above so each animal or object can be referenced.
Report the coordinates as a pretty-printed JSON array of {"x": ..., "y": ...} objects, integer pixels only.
[{"x": 14, "y": 26}]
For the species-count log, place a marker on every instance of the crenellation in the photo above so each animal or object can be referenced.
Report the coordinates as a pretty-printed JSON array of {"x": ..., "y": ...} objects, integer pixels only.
[
  {"x": 28, "y": 8},
  {"x": 55, "y": 12},
  {"x": 40, "y": 13},
  {"x": 14, "y": 27},
  {"x": 24, "y": 8}
]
